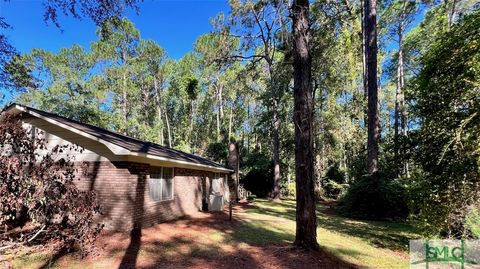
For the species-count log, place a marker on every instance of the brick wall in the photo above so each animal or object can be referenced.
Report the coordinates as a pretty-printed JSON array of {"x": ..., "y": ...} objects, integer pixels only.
[{"x": 122, "y": 189}]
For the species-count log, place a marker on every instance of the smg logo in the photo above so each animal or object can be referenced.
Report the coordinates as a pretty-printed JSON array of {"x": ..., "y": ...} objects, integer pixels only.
[{"x": 431, "y": 254}]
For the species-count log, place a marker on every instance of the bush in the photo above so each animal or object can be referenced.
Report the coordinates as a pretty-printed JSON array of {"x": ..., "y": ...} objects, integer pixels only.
[
  {"x": 217, "y": 152},
  {"x": 259, "y": 182},
  {"x": 375, "y": 197},
  {"x": 251, "y": 198},
  {"x": 336, "y": 175},
  {"x": 288, "y": 190},
  {"x": 334, "y": 183},
  {"x": 473, "y": 222},
  {"x": 40, "y": 188},
  {"x": 258, "y": 167},
  {"x": 333, "y": 190}
]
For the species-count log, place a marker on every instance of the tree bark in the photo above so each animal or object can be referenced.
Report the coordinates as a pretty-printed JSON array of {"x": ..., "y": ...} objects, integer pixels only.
[
  {"x": 370, "y": 24},
  {"x": 364, "y": 64},
  {"x": 276, "y": 152},
  {"x": 168, "y": 130},
  {"x": 158, "y": 98},
  {"x": 125, "y": 94},
  {"x": 306, "y": 220}
]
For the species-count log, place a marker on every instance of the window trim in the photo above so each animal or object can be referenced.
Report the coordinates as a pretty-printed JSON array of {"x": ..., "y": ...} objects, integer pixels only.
[{"x": 156, "y": 168}]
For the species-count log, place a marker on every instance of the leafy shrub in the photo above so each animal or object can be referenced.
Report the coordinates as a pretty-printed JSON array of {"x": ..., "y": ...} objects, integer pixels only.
[
  {"x": 259, "y": 173},
  {"x": 335, "y": 174},
  {"x": 375, "y": 197},
  {"x": 473, "y": 222},
  {"x": 334, "y": 183},
  {"x": 333, "y": 190},
  {"x": 40, "y": 188},
  {"x": 217, "y": 152},
  {"x": 446, "y": 146},
  {"x": 258, "y": 182},
  {"x": 288, "y": 190}
]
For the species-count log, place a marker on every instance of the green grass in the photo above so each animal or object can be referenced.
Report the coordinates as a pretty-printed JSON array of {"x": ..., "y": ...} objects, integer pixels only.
[
  {"x": 366, "y": 244},
  {"x": 370, "y": 244}
]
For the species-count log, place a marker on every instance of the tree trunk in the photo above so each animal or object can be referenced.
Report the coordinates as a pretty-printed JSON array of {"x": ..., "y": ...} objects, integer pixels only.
[
  {"x": 168, "y": 130},
  {"x": 158, "y": 98},
  {"x": 399, "y": 97},
  {"x": 190, "y": 125},
  {"x": 276, "y": 151},
  {"x": 370, "y": 23},
  {"x": 125, "y": 104},
  {"x": 125, "y": 94},
  {"x": 230, "y": 122},
  {"x": 306, "y": 220},
  {"x": 364, "y": 64},
  {"x": 451, "y": 15}
]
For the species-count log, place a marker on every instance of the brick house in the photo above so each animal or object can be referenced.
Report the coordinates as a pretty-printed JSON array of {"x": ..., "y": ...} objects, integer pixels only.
[{"x": 138, "y": 183}]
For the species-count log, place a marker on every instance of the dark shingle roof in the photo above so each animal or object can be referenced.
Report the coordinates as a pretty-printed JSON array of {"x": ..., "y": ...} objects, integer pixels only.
[{"x": 129, "y": 143}]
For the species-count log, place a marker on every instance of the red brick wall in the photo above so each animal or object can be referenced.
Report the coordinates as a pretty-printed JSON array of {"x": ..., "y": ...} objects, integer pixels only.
[{"x": 122, "y": 189}]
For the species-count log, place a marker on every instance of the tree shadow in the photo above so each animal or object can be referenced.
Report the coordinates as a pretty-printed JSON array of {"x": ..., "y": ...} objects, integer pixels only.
[
  {"x": 391, "y": 235},
  {"x": 50, "y": 262},
  {"x": 238, "y": 247},
  {"x": 129, "y": 259}
]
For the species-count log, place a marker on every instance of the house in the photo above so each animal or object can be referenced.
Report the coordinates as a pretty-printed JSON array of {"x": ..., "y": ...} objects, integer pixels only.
[{"x": 138, "y": 183}]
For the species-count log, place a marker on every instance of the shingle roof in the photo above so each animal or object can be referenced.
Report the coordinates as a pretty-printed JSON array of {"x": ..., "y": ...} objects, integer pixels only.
[{"x": 126, "y": 142}]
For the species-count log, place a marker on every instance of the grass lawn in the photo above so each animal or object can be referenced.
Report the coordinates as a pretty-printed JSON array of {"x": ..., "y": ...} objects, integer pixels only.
[{"x": 260, "y": 237}]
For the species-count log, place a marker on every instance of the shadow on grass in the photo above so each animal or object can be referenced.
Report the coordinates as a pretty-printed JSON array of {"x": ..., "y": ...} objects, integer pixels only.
[
  {"x": 216, "y": 242},
  {"x": 51, "y": 261},
  {"x": 391, "y": 235}
]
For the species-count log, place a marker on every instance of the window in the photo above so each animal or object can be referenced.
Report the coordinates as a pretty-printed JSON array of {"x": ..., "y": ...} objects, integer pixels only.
[{"x": 161, "y": 184}]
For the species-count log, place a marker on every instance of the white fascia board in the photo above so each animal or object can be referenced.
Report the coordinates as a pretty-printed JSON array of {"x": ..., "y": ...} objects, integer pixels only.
[
  {"x": 114, "y": 148},
  {"x": 192, "y": 164}
]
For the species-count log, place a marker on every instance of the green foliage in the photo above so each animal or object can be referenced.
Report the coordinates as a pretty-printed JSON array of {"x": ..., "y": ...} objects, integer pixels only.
[
  {"x": 258, "y": 182},
  {"x": 376, "y": 197},
  {"x": 447, "y": 145},
  {"x": 473, "y": 222},
  {"x": 334, "y": 183},
  {"x": 335, "y": 174},
  {"x": 217, "y": 152},
  {"x": 288, "y": 190},
  {"x": 258, "y": 170}
]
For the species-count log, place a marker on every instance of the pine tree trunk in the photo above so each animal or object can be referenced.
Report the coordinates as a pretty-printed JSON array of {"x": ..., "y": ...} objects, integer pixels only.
[
  {"x": 158, "y": 98},
  {"x": 306, "y": 220},
  {"x": 370, "y": 23},
  {"x": 230, "y": 123},
  {"x": 276, "y": 152},
  {"x": 401, "y": 93},
  {"x": 125, "y": 94},
  {"x": 168, "y": 130},
  {"x": 364, "y": 64}
]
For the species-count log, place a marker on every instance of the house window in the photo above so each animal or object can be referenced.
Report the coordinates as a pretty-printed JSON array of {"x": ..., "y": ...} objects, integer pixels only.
[
  {"x": 161, "y": 184},
  {"x": 216, "y": 184}
]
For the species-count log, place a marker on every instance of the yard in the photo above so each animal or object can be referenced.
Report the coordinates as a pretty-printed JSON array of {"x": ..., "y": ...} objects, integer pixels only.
[{"x": 259, "y": 237}]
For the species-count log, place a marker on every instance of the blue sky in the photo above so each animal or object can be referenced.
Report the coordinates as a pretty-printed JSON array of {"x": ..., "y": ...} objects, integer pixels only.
[{"x": 175, "y": 25}]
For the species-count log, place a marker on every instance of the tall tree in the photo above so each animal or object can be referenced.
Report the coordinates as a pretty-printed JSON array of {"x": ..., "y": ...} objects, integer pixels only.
[
  {"x": 119, "y": 47},
  {"x": 398, "y": 16},
  {"x": 371, "y": 50},
  {"x": 306, "y": 231},
  {"x": 262, "y": 31}
]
